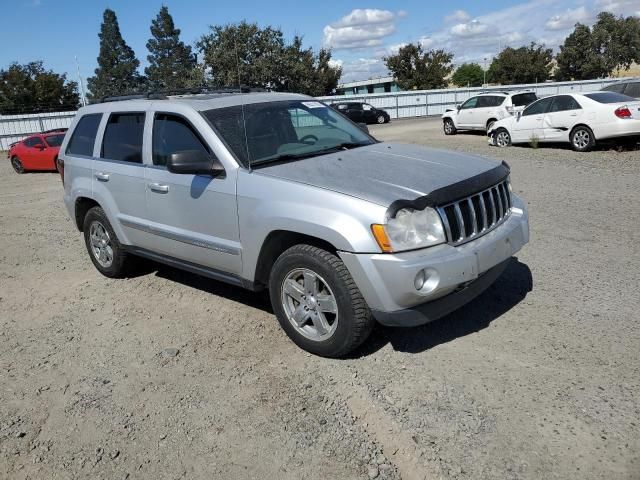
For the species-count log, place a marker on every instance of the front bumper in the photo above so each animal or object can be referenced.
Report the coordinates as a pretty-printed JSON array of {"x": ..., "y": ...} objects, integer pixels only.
[{"x": 454, "y": 275}]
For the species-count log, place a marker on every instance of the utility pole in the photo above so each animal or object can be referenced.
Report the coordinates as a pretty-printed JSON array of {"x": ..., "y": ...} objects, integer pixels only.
[
  {"x": 484, "y": 72},
  {"x": 83, "y": 99}
]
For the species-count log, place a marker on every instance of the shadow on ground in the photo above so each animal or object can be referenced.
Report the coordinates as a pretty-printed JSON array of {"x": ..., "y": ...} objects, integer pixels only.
[{"x": 509, "y": 290}]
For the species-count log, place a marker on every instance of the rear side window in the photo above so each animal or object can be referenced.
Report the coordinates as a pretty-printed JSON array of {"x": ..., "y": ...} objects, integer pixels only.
[
  {"x": 123, "y": 137},
  {"x": 609, "y": 97},
  {"x": 171, "y": 134},
  {"x": 489, "y": 101},
  {"x": 616, "y": 87},
  {"x": 633, "y": 89},
  {"x": 84, "y": 135},
  {"x": 562, "y": 103},
  {"x": 523, "y": 99}
]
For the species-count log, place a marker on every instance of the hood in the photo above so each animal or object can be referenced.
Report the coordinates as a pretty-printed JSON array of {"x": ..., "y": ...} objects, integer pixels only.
[{"x": 383, "y": 173}]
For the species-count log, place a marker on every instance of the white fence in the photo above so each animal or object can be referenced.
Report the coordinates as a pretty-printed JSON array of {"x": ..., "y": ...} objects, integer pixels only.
[
  {"x": 420, "y": 103},
  {"x": 15, "y": 127},
  {"x": 415, "y": 103}
]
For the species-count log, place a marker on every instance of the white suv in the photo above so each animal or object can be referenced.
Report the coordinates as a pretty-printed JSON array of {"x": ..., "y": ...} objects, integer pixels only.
[{"x": 482, "y": 111}]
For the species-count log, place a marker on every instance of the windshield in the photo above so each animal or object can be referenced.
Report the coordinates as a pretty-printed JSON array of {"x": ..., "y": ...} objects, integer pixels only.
[
  {"x": 609, "y": 97},
  {"x": 284, "y": 130},
  {"x": 54, "y": 140}
]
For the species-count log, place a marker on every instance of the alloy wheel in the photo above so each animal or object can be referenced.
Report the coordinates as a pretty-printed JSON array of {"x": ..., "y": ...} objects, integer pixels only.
[
  {"x": 502, "y": 139},
  {"x": 581, "y": 139},
  {"x": 309, "y": 304},
  {"x": 101, "y": 244}
]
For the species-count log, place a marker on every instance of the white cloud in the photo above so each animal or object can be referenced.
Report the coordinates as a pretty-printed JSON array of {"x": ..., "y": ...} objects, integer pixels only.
[
  {"x": 469, "y": 29},
  {"x": 425, "y": 41},
  {"x": 361, "y": 28},
  {"x": 619, "y": 7},
  {"x": 459, "y": 16},
  {"x": 568, "y": 18},
  {"x": 363, "y": 69}
]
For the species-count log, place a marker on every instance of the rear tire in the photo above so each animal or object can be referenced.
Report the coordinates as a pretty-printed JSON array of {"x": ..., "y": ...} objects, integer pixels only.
[
  {"x": 449, "y": 127},
  {"x": 381, "y": 119},
  {"x": 103, "y": 246},
  {"x": 317, "y": 303},
  {"x": 17, "y": 165},
  {"x": 582, "y": 139},
  {"x": 490, "y": 124}
]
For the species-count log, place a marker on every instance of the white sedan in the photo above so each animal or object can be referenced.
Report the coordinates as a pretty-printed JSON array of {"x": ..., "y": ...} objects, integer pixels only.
[{"x": 580, "y": 119}]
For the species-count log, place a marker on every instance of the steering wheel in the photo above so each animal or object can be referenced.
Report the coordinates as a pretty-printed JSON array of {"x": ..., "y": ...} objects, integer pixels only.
[{"x": 306, "y": 139}]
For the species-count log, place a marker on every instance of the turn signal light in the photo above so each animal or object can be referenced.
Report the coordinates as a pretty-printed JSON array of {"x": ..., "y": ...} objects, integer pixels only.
[
  {"x": 623, "y": 112},
  {"x": 381, "y": 237}
]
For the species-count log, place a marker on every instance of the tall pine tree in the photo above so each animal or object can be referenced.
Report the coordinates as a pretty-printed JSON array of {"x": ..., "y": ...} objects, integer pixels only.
[
  {"x": 117, "y": 72},
  {"x": 170, "y": 61}
]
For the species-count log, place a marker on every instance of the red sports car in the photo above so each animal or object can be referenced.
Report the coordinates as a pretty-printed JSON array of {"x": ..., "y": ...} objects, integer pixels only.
[{"x": 36, "y": 152}]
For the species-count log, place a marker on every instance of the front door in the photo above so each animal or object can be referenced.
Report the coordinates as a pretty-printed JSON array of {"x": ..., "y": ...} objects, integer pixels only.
[
  {"x": 465, "y": 113},
  {"x": 192, "y": 217},
  {"x": 528, "y": 125},
  {"x": 355, "y": 112}
]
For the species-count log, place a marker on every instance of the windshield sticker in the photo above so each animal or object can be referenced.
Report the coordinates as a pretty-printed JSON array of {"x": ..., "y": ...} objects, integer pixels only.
[{"x": 313, "y": 104}]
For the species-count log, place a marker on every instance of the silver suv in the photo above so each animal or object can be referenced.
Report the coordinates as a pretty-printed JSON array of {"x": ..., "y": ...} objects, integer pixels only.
[
  {"x": 482, "y": 111},
  {"x": 279, "y": 191}
]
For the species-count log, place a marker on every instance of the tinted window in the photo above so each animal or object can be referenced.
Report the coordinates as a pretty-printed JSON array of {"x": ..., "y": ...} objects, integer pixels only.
[
  {"x": 367, "y": 107},
  {"x": 123, "y": 137},
  {"x": 471, "y": 103},
  {"x": 355, "y": 106},
  {"x": 609, "y": 97},
  {"x": 489, "y": 101},
  {"x": 32, "y": 141},
  {"x": 633, "y": 89},
  {"x": 84, "y": 135},
  {"x": 563, "y": 103},
  {"x": 617, "y": 87},
  {"x": 172, "y": 134},
  {"x": 54, "y": 140},
  {"x": 540, "y": 106},
  {"x": 523, "y": 99}
]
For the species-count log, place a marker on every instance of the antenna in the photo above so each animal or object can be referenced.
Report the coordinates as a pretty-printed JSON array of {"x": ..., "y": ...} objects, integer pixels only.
[{"x": 83, "y": 98}]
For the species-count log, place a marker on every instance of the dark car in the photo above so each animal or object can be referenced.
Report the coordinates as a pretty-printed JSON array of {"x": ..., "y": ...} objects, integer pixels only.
[
  {"x": 362, "y": 112},
  {"x": 631, "y": 88}
]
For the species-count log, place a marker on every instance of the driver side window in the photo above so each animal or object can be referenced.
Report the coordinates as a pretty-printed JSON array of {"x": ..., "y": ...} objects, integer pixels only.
[
  {"x": 171, "y": 134},
  {"x": 538, "y": 107},
  {"x": 471, "y": 103}
]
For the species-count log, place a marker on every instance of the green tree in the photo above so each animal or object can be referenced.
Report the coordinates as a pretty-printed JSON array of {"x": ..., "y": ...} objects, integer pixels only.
[
  {"x": 617, "y": 40},
  {"x": 245, "y": 54},
  {"x": 530, "y": 64},
  {"x": 117, "y": 72},
  {"x": 579, "y": 58},
  {"x": 468, "y": 74},
  {"x": 414, "y": 68},
  {"x": 170, "y": 60},
  {"x": 29, "y": 88}
]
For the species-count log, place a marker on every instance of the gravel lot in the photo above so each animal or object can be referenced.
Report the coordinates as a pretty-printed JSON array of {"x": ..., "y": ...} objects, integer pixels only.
[{"x": 169, "y": 375}]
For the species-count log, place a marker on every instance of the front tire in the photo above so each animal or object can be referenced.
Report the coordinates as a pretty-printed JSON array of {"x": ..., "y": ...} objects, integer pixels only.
[
  {"x": 317, "y": 303},
  {"x": 502, "y": 138},
  {"x": 17, "y": 165},
  {"x": 103, "y": 246},
  {"x": 449, "y": 127},
  {"x": 582, "y": 139}
]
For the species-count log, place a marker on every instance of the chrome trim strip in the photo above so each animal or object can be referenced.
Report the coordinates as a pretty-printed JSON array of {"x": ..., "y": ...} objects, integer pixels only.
[
  {"x": 188, "y": 239},
  {"x": 494, "y": 210},
  {"x": 445, "y": 222},
  {"x": 460, "y": 220},
  {"x": 499, "y": 201},
  {"x": 483, "y": 210},
  {"x": 474, "y": 220}
]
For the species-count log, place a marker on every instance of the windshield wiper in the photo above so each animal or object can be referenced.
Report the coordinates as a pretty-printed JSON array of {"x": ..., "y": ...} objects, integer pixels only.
[{"x": 299, "y": 156}]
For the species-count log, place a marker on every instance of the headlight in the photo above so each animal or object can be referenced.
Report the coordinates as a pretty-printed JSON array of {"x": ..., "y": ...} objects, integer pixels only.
[{"x": 410, "y": 229}]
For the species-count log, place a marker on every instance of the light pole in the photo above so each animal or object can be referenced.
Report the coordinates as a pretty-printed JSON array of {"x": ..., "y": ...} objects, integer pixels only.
[{"x": 484, "y": 72}]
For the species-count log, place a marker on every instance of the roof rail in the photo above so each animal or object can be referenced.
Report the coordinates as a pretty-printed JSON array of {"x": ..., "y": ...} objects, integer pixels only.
[{"x": 163, "y": 94}]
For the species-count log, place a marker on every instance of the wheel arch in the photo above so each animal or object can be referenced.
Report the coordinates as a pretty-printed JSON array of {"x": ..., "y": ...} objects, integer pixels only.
[
  {"x": 82, "y": 206},
  {"x": 582, "y": 125},
  {"x": 276, "y": 243}
]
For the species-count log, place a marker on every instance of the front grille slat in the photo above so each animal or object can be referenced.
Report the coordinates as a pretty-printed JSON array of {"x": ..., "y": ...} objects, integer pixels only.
[{"x": 477, "y": 214}]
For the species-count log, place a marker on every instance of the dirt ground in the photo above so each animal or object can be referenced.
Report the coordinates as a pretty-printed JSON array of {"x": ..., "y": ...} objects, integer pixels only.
[{"x": 169, "y": 375}]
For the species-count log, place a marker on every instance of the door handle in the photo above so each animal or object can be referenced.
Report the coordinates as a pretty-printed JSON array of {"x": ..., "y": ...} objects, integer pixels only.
[
  {"x": 159, "y": 188},
  {"x": 103, "y": 177},
  {"x": 573, "y": 115}
]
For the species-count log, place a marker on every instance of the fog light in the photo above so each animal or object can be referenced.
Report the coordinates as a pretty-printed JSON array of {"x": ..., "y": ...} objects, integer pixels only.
[{"x": 419, "y": 280}]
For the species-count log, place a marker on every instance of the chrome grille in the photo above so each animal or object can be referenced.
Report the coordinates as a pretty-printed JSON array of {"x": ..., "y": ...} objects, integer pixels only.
[{"x": 473, "y": 216}]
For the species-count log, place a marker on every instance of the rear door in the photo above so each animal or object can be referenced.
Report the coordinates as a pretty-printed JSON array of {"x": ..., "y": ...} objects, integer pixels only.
[
  {"x": 355, "y": 112},
  {"x": 193, "y": 217},
  {"x": 564, "y": 112},
  {"x": 530, "y": 123},
  {"x": 369, "y": 114},
  {"x": 118, "y": 175}
]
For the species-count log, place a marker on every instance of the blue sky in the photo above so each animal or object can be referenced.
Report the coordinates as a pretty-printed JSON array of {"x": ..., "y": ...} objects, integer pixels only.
[{"x": 360, "y": 34}]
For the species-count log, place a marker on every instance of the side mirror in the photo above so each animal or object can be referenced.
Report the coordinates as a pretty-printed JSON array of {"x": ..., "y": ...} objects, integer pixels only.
[
  {"x": 458, "y": 106},
  {"x": 194, "y": 162},
  {"x": 519, "y": 114},
  {"x": 364, "y": 127},
  {"x": 39, "y": 146}
]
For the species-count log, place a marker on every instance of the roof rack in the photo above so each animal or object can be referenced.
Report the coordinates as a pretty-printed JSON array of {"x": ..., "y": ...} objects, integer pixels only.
[{"x": 164, "y": 94}]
